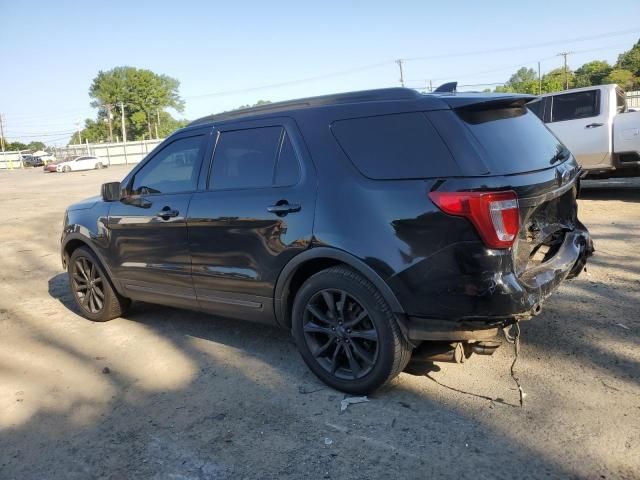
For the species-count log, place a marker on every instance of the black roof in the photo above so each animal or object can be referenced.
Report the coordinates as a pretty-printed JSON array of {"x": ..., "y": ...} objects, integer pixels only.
[{"x": 443, "y": 100}]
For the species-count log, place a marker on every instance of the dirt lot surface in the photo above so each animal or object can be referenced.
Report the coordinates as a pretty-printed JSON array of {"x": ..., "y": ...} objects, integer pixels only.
[{"x": 166, "y": 393}]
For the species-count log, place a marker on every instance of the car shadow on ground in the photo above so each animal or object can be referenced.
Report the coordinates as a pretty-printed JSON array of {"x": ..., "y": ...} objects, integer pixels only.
[{"x": 251, "y": 406}]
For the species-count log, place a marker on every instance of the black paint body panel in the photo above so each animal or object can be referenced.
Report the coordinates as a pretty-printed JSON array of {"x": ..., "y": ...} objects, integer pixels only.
[{"x": 226, "y": 254}]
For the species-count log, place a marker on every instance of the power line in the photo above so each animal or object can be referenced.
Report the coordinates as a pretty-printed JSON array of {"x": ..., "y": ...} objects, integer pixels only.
[{"x": 525, "y": 47}]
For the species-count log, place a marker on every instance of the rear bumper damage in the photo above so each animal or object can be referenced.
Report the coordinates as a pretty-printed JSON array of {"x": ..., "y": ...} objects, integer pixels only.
[{"x": 492, "y": 296}]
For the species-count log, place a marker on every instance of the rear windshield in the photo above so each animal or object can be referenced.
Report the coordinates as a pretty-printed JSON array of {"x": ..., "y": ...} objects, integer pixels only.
[
  {"x": 513, "y": 140},
  {"x": 397, "y": 146}
]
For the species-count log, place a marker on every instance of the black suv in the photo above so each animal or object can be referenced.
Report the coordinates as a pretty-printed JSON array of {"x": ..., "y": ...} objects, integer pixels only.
[{"x": 380, "y": 227}]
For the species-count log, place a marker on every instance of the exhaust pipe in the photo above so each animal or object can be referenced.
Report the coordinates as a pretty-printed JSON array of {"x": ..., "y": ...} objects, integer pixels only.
[
  {"x": 484, "y": 348},
  {"x": 537, "y": 308},
  {"x": 438, "y": 352}
]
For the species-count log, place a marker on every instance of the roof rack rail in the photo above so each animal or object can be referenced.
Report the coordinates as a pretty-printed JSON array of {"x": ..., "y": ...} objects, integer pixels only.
[{"x": 397, "y": 93}]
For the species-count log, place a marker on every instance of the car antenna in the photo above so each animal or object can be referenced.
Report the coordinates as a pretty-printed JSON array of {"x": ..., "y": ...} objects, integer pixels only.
[{"x": 449, "y": 87}]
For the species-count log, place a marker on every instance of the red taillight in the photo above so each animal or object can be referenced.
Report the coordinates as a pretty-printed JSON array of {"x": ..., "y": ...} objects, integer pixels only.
[{"x": 494, "y": 214}]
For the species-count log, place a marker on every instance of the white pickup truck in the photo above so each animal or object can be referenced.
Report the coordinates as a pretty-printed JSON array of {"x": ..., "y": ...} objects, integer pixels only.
[{"x": 596, "y": 125}]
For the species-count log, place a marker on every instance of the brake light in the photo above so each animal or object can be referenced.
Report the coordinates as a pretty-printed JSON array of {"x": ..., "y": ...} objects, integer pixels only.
[{"x": 494, "y": 214}]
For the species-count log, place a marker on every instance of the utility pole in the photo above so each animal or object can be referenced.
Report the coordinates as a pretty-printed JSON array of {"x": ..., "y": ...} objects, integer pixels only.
[
  {"x": 79, "y": 134},
  {"x": 124, "y": 128},
  {"x": 566, "y": 73},
  {"x": 430, "y": 86},
  {"x": 110, "y": 123},
  {"x": 400, "y": 62},
  {"x": 539, "y": 81},
  {"x": 2, "y": 136}
]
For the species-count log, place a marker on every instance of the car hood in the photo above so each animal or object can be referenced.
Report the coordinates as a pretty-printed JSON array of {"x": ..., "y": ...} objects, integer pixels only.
[{"x": 85, "y": 204}]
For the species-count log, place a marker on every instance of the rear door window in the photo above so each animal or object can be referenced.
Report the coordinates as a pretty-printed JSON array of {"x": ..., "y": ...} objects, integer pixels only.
[
  {"x": 397, "y": 146},
  {"x": 245, "y": 158},
  {"x": 573, "y": 106},
  {"x": 537, "y": 107}
]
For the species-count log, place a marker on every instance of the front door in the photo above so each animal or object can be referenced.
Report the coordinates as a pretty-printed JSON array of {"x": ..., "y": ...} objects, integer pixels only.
[
  {"x": 149, "y": 243},
  {"x": 254, "y": 215}
]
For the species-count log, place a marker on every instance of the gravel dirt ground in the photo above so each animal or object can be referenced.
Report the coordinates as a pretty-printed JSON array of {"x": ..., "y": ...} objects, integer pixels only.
[{"x": 167, "y": 393}]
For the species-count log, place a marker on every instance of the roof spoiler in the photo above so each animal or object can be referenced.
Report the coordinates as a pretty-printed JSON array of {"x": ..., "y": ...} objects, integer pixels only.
[{"x": 449, "y": 87}]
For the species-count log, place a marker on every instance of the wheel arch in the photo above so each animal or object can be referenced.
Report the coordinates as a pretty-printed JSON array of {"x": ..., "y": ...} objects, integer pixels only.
[
  {"x": 311, "y": 261},
  {"x": 73, "y": 241}
]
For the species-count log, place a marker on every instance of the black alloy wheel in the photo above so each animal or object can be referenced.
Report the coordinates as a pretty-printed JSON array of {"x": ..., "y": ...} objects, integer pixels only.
[
  {"x": 92, "y": 288},
  {"x": 340, "y": 334},
  {"x": 88, "y": 285},
  {"x": 346, "y": 332}
]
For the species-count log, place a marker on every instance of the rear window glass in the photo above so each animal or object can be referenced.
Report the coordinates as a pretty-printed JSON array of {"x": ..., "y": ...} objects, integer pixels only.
[
  {"x": 513, "y": 139},
  {"x": 537, "y": 107},
  {"x": 397, "y": 146}
]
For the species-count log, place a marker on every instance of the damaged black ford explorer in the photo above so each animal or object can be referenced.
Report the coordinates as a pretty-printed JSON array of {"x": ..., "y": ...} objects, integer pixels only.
[{"x": 384, "y": 228}]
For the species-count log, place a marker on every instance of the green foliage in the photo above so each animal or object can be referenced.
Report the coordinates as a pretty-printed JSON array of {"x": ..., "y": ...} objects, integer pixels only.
[
  {"x": 592, "y": 73},
  {"x": 624, "y": 78},
  {"x": 626, "y": 73},
  {"x": 144, "y": 94},
  {"x": 524, "y": 80},
  {"x": 630, "y": 60},
  {"x": 14, "y": 146},
  {"x": 554, "y": 81}
]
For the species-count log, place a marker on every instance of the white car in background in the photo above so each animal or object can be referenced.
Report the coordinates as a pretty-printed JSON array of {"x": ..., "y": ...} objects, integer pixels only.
[{"x": 81, "y": 163}]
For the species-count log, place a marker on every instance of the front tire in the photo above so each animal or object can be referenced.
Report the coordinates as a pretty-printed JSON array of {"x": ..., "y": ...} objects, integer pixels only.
[
  {"x": 92, "y": 290},
  {"x": 66, "y": 169},
  {"x": 346, "y": 332}
]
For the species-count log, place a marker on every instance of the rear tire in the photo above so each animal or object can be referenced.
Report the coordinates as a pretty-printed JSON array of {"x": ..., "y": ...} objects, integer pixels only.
[
  {"x": 346, "y": 332},
  {"x": 98, "y": 166},
  {"x": 92, "y": 289}
]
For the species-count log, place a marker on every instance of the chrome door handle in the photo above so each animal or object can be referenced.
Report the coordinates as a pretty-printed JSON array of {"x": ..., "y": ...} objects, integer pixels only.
[
  {"x": 166, "y": 213},
  {"x": 594, "y": 125},
  {"x": 282, "y": 208}
]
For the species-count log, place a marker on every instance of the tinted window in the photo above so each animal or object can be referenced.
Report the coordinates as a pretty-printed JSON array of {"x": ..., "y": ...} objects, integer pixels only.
[
  {"x": 621, "y": 104},
  {"x": 512, "y": 140},
  {"x": 288, "y": 168},
  {"x": 572, "y": 106},
  {"x": 245, "y": 158},
  {"x": 173, "y": 169},
  {"x": 395, "y": 146},
  {"x": 537, "y": 107}
]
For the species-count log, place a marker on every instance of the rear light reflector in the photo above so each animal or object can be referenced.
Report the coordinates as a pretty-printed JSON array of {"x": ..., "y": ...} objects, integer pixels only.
[{"x": 494, "y": 214}]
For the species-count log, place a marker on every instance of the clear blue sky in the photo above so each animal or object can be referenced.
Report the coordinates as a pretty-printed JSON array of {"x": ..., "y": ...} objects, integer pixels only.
[{"x": 50, "y": 51}]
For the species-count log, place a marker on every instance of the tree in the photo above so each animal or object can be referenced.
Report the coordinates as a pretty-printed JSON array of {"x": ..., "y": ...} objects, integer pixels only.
[
  {"x": 36, "y": 146},
  {"x": 624, "y": 78},
  {"x": 554, "y": 81},
  {"x": 630, "y": 60},
  {"x": 592, "y": 73},
  {"x": 144, "y": 94},
  {"x": 525, "y": 80}
]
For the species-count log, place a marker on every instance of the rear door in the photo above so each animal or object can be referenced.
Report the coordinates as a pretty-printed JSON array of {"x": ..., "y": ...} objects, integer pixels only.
[
  {"x": 581, "y": 122},
  {"x": 254, "y": 214},
  {"x": 149, "y": 242}
]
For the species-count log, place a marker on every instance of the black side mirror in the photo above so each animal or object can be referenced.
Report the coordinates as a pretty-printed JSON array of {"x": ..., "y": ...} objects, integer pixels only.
[{"x": 111, "y": 192}]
